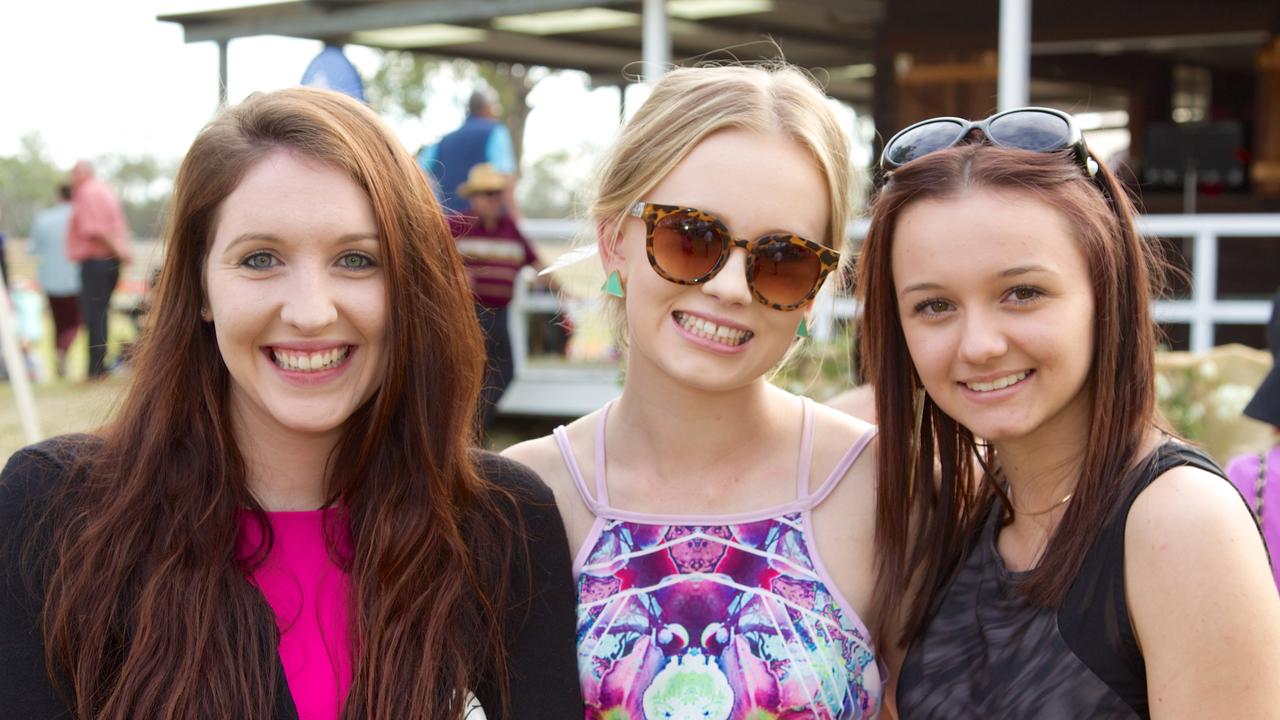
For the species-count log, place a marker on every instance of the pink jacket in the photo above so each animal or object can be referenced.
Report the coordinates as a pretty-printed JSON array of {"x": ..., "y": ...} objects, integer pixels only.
[{"x": 98, "y": 230}]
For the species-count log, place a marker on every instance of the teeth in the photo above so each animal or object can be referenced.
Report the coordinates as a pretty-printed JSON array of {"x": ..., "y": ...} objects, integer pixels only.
[
  {"x": 711, "y": 331},
  {"x": 309, "y": 362},
  {"x": 998, "y": 383}
]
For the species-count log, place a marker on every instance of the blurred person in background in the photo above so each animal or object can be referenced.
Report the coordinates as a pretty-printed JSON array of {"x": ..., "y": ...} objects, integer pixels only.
[
  {"x": 1257, "y": 475},
  {"x": 58, "y": 274},
  {"x": 481, "y": 138},
  {"x": 494, "y": 251},
  {"x": 98, "y": 239}
]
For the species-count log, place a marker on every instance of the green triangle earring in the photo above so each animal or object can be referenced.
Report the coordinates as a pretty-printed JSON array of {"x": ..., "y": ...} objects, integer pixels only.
[
  {"x": 613, "y": 286},
  {"x": 802, "y": 331}
]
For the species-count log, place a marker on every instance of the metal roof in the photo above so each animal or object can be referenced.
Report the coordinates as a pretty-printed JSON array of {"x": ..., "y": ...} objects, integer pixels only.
[{"x": 600, "y": 37}]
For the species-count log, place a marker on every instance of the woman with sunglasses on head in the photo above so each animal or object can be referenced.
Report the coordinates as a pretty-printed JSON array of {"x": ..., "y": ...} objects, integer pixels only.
[
  {"x": 723, "y": 527},
  {"x": 1103, "y": 568},
  {"x": 288, "y": 519}
]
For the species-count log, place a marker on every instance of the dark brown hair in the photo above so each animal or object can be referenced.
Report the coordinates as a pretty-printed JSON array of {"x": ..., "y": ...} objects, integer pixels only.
[
  {"x": 148, "y": 611},
  {"x": 924, "y": 526}
]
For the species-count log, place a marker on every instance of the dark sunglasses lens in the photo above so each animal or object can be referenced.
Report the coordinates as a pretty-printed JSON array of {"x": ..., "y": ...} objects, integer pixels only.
[
  {"x": 687, "y": 247},
  {"x": 784, "y": 273},
  {"x": 1030, "y": 130},
  {"x": 920, "y": 141}
]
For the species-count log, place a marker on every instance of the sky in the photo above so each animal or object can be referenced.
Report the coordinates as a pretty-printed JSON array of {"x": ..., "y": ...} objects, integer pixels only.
[{"x": 97, "y": 77}]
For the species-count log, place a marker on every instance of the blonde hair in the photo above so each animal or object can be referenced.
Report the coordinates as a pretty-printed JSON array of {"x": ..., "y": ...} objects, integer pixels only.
[{"x": 690, "y": 104}]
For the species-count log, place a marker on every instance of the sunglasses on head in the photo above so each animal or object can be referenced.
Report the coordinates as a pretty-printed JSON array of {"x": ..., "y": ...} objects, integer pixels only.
[
  {"x": 1031, "y": 128},
  {"x": 689, "y": 247}
]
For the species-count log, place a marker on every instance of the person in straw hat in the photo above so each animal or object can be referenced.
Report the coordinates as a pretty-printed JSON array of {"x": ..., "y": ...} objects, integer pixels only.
[{"x": 494, "y": 251}]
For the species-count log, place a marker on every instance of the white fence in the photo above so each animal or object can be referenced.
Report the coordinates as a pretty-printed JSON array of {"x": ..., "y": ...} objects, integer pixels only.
[{"x": 570, "y": 390}]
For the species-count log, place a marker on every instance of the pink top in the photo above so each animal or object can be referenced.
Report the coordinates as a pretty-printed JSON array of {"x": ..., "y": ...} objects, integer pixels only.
[
  {"x": 725, "y": 616},
  {"x": 98, "y": 226},
  {"x": 309, "y": 594}
]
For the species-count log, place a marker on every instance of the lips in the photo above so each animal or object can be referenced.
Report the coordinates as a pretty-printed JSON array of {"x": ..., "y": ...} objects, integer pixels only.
[
  {"x": 292, "y": 360},
  {"x": 708, "y": 330},
  {"x": 998, "y": 383}
]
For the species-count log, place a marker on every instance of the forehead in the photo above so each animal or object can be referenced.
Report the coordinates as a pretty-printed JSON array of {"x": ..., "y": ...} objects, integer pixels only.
[
  {"x": 756, "y": 182},
  {"x": 290, "y": 195},
  {"x": 979, "y": 234}
]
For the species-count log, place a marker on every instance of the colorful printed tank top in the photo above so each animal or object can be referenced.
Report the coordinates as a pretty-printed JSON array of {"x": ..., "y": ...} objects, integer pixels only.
[{"x": 730, "y": 617}]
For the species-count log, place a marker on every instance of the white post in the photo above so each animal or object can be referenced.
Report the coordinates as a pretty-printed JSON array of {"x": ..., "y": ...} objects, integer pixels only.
[
  {"x": 17, "y": 366},
  {"x": 1014, "y": 76},
  {"x": 1204, "y": 289},
  {"x": 223, "y": 46},
  {"x": 657, "y": 40}
]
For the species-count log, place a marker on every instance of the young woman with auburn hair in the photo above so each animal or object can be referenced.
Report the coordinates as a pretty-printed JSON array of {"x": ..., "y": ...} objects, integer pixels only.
[
  {"x": 1100, "y": 567},
  {"x": 287, "y": 517},
  {"x": 723, "y": 526}
]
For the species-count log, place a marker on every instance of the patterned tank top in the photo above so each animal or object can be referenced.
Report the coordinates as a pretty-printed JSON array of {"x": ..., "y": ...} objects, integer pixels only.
[{"x": 727, "y": 617}]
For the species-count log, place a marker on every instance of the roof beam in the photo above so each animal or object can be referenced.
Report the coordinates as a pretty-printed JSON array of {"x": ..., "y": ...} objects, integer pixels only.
[{"x": 302, "y": 19}]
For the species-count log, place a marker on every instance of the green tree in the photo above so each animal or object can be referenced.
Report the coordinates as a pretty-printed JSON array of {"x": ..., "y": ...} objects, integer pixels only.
[{"x": 28, "y": 183}]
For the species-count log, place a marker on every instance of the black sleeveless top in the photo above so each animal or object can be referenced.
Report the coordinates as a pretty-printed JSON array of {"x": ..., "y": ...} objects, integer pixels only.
[{"x": 989, "y": 653}]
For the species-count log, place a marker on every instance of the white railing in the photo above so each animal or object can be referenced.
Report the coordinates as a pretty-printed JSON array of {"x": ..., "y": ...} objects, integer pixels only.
[
  {"x": 1203, "y": 310},
  {"x": 573, "y": 390}
]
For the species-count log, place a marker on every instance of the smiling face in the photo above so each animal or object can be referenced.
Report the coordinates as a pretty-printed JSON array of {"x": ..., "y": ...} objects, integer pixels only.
[
  {"x": 996, "y": 305},
  {"x": 296, "y": 294},
  {"x": 716, "y": 335}
]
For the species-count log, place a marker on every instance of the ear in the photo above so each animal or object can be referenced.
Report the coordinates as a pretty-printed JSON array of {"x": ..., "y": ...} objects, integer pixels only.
[{"x": 609, "y": 241}]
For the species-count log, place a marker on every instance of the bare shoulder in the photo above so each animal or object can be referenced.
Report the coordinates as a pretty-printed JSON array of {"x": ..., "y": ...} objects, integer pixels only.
[
  {"x": 835, "y": 433},
  {"x": 859, "y": 402},
  {"x": 1203, "y": 602},
  {"x": 1187, "y": 506},
  {"x": 544, "y": 456}
]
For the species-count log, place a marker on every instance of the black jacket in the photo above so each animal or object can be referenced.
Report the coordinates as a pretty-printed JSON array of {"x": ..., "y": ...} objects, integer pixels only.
[{"x": 541, "y": 649}]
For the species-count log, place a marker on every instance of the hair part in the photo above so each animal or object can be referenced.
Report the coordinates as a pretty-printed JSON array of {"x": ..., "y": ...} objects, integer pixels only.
[
  {"x": 148, "y": 611},
  {"x": 689, "y": 105},
  {"x": 922, "y": 528}
]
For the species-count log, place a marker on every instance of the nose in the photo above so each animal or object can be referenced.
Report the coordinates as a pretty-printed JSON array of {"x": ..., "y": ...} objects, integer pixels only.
[
  {"x": 983, "y": 338},
  {"x": 729, "y": 285},
  {"x": 309, "y": 303}
]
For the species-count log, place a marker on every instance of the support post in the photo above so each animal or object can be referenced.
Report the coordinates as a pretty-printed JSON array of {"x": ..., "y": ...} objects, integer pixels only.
[
  {"x": 222, "y": 73},
  {"x": 1015, "y": 54},
  {"x": 657, "y": 40}
]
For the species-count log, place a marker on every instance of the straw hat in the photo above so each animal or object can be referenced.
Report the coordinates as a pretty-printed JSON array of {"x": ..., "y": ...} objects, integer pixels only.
[
  {"x": 1265, "y": 405},
  {"x": 482, "y": 178}
]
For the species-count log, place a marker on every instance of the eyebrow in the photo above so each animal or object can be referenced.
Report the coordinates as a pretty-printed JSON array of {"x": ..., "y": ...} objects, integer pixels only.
[
  {"x": 270, "y": 238},
  {"x": 1023, "y": 270},
  {"x": 1011, "y": 272}
]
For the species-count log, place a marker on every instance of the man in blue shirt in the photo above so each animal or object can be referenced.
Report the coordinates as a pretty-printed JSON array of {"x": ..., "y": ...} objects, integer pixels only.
[
  {"x": 482, "y": 138},
  {"x": 58, "y": 276}
]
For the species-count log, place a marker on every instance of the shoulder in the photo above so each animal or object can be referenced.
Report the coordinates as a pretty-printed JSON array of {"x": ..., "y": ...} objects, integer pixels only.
[
  {"x": 859, "y": 402},
  {"x": 835, "y": 434},
  {"x": 513, "y": 476},
  {"x": 545, "y": 457},
  {"x": 36, "y": 469},
  {"x": 1189, "y": 536}
]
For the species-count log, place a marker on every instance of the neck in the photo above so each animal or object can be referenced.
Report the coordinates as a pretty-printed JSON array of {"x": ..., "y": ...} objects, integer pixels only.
[
  {"x": 682, "y": 434},
  {"x": 1044, "y": 466},
  {"x": 284, "y": 470}
]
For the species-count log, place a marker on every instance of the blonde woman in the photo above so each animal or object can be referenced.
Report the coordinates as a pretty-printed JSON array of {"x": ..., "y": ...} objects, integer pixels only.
[{"x": 723, "y": 528}]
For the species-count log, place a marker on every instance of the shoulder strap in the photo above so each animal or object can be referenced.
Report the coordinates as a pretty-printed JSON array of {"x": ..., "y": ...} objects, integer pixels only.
[
  {"x": 846, "y": 461},
  {"x": 571, "y": 464},
  {"x": 602, "y": 484},
  {"x": 806, "y": 449}
]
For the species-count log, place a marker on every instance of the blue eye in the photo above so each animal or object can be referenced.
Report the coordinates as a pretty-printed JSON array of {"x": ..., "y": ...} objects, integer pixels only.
[
  {"x": 356, "y": 261},
  {"x": 259, "y": 261}
]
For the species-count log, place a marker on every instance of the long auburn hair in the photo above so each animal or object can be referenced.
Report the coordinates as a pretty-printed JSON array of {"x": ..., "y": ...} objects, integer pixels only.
[
  {"x": 148, "y": 611},
  {"x": 925, "y": 526}
]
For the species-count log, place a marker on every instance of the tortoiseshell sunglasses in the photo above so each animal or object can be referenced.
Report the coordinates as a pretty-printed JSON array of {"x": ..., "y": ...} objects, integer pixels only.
[{"x": 689, "y": 247}]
